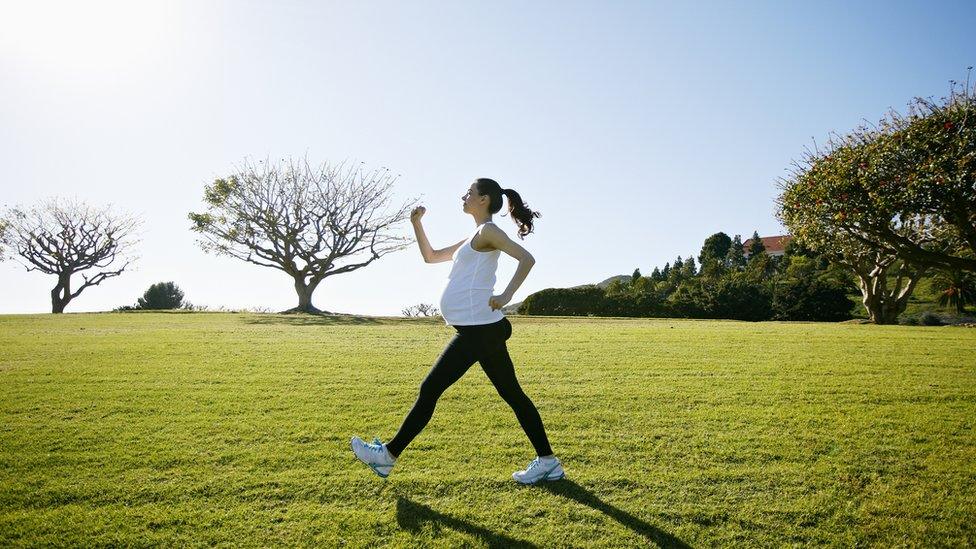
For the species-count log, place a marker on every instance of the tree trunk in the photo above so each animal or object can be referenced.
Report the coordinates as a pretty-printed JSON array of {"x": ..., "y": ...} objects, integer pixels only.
[
  {"x": 61, "y": 294},
  {"x": 304, "y": 291},
  {"x": 883, "y": 306}
]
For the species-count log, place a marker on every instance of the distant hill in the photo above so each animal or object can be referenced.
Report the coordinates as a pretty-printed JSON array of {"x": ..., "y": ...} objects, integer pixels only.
[{"x": 605, "y": 283}]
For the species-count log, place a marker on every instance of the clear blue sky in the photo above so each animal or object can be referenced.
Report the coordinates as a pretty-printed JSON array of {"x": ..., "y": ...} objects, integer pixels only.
[{"x": 637, "y": 129}]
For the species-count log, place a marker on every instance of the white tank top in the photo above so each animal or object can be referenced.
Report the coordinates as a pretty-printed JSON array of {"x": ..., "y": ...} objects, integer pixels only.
[{"x": 470, "y": 284}]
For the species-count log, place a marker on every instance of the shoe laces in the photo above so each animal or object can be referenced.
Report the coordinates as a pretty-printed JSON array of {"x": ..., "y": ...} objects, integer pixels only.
[{"x": 376, "y": 445}]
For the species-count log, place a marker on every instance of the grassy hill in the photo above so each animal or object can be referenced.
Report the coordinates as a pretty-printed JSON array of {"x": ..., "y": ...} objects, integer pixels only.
[{"x": 216, "y": 428}]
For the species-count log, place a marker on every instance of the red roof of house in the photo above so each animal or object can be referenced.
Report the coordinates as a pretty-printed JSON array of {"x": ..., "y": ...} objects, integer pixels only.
[{"x": 771, "y": 243}]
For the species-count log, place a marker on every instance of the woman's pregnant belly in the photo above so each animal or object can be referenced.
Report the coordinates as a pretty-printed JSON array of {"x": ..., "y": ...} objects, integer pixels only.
[{"x": 467, "y": 306}]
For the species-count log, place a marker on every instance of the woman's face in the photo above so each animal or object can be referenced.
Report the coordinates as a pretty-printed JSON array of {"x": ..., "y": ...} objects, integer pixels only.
[{"x": 471, "y": 199}]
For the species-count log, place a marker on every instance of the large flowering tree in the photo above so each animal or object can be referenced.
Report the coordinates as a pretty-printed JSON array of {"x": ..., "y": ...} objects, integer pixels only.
[{"x": 896, "y": 197}]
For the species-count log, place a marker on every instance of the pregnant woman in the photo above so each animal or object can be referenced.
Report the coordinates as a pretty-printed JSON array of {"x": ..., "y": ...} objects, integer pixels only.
[{"x": 468, "y": 305}]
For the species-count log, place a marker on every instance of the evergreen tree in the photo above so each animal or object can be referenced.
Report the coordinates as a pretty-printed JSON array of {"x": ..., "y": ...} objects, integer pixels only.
[
  {"x": 677, "y": 270},
  {"x": 715, "y": 247},
  {"x": 735, "y": 259},
  {"x": 760, "y": 267},
  {"x": 713, "y": 268},
  {"x": 666, "y": 272},
  {"x": 656, "y": 275},
  {"x": 756, "y": 246},
  {"x": 689, "y": 270},
  {"x": 636, "y": 276}
]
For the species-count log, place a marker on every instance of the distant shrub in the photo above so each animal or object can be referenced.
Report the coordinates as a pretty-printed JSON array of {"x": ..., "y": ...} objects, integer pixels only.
[
  {"x": 928, "y": 318},
  {"x": 162, "y": 295},
  {"x": 582, "y": 301}
]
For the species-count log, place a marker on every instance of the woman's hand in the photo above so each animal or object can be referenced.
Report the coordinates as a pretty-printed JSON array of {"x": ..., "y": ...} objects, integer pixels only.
[
  {"x": 417, "y": 213},
  {"x": 499, "y": 301}
]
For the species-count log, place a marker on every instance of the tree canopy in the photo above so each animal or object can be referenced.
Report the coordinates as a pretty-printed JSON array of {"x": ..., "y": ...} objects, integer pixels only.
[
  {"x": 905, "y": 186},
  {"x": 716, "y": 246}
]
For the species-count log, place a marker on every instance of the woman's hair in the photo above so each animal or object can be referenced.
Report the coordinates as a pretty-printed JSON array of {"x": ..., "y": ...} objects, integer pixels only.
[{"x": 520, "y": 210}]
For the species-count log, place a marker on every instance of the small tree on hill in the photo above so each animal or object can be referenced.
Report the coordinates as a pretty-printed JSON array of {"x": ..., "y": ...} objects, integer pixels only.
[{"x": 162, "y": 295}]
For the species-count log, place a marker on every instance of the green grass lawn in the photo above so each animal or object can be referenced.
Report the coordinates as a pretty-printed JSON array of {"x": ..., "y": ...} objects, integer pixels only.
[{"x": 234, "y": 429}]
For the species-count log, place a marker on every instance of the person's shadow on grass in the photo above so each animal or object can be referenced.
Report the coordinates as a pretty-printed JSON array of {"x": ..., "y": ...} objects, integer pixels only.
[
  {"x": 411, "y": 515},
  {"x": 569, "y": 489}
]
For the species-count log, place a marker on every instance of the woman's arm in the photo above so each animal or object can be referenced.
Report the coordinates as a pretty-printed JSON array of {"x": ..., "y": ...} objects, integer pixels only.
[
  {"x": 429, "y": 254},
  {"x": 500, "y": 241},
  {"x": 445, "y": 254},
  {"x": 524, "y": 266},
  {"x": 425, "y": 250}
]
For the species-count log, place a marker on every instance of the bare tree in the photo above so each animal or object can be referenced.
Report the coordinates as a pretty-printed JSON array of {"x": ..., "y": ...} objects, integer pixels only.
[
  {"x": 421, "y": 309},
  {"x": 64, "y": 237},
  {"x": 301, "y": 220}
]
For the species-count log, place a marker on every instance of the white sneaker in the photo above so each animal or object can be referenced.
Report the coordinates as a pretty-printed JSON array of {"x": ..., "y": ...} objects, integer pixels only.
[
  {"x": 540, "y": 469},
  {"x": 374, "y": 454}
]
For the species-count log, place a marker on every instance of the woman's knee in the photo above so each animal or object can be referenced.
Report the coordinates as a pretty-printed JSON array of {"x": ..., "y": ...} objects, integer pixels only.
[
  {"x": 514, "y": 396},
  {"x": 431, "y": 388}
]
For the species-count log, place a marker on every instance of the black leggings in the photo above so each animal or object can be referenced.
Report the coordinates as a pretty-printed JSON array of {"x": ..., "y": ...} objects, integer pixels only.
[{"x": 483, "y": 343}]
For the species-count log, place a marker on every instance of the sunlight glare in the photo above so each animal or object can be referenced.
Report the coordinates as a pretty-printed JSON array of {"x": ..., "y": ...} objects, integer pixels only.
[{"x": 86, "y": 37}]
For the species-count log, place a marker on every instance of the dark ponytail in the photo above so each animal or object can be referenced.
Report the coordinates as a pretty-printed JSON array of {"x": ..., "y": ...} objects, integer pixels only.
[{"x": 520, "y": 210}]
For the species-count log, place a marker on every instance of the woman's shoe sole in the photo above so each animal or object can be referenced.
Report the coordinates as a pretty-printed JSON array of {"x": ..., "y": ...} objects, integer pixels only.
[{"x": 560, "y": 477}]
